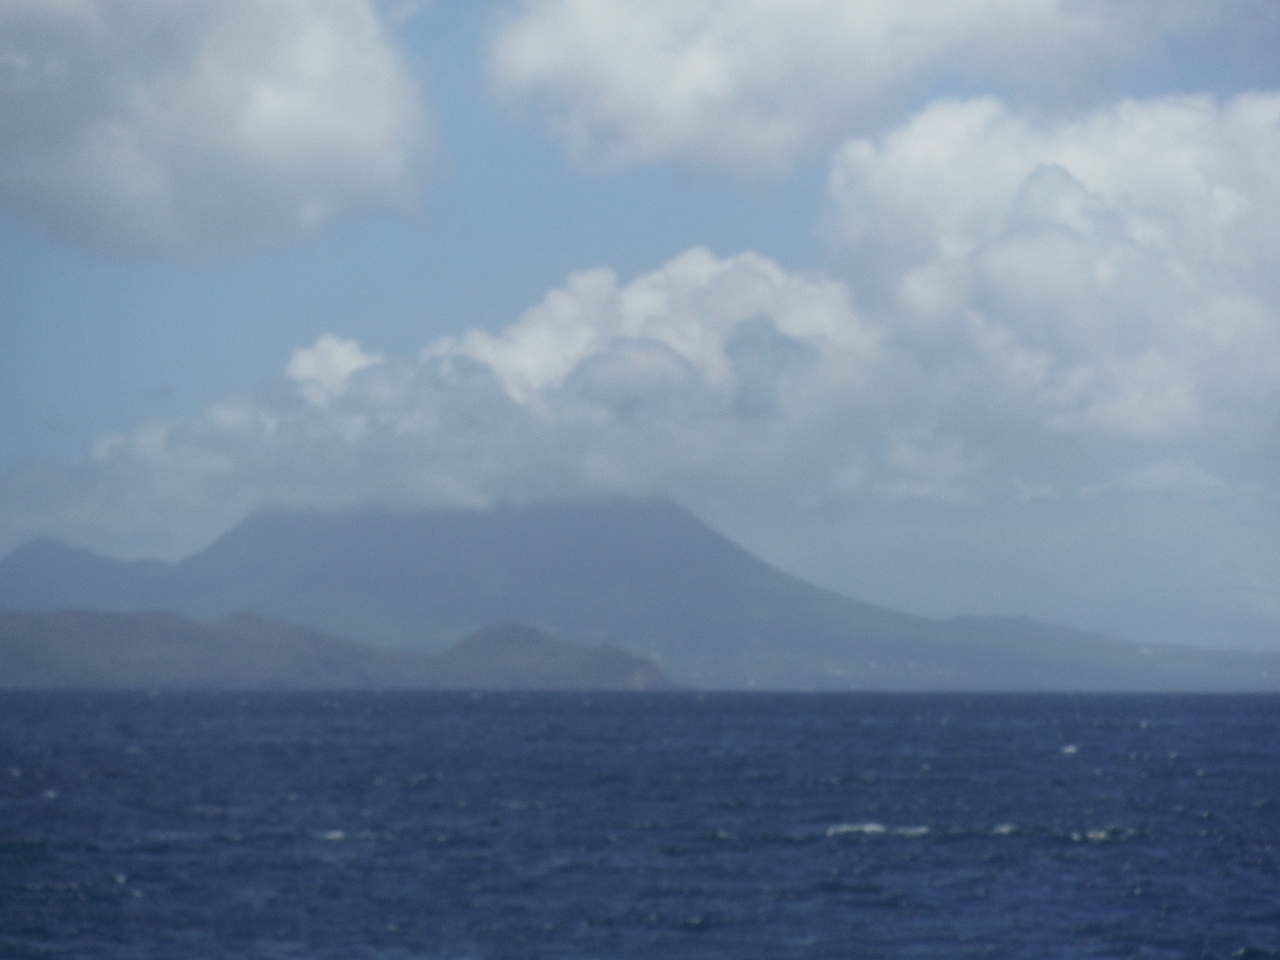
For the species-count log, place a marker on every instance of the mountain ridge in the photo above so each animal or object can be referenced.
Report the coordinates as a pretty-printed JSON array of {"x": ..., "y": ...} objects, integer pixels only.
[
  {"x": 642, "y": 575},
  {"x": 78, "y": 649}
]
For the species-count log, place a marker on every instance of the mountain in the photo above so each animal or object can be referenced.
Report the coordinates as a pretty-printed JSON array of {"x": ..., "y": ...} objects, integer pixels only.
[
  {"x": 641, "y": 575},
  {"x": 157, "y": 650}
]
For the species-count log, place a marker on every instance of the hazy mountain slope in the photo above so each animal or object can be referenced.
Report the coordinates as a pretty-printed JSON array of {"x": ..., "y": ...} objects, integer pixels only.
[
  {"x": 642, "y": 575},
  {"x": 511, "y": 657},
  {"x": 45, "y": 574},
  {"x": 156, "y": 650},
  {"x": 73, "y": 648}
]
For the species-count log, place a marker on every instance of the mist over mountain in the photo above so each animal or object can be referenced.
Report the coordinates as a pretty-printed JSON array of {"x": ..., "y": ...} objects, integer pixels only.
[{"x": 641, "y": 575}]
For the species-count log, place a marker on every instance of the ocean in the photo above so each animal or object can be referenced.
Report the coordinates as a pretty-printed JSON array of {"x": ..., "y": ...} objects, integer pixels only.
[{"x": 514, "y": 825}]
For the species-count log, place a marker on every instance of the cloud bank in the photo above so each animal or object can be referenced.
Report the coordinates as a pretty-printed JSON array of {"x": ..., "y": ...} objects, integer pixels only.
[
  {"x": 1110, "y": 279},
  {"x": 705, "y": 371},
  {"x": 144, "y": 126},
  {"x": 748, "y": 87},
  {"x": 1029, "y": 310}
]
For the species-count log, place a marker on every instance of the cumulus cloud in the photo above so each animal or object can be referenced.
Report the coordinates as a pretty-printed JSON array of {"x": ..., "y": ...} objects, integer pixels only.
[
  {"x": 1110, "y": 280},
  {"x": 707, "y": 371},
  {"x": 323, "y": 371},
  {"x": 748, "y": 86},
  {"x": 141, "y": 126}
]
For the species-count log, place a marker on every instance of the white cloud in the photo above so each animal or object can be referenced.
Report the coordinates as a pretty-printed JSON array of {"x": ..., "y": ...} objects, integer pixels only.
[
  {"x": 749, "y": 86},
  {"x": 693, "y": 306},
  {"x": 1111, "y": 279},
  {"x": 706, "y": 372},
  {"x": 323, "y": 371},
  {"x": 150, "y": 126}
]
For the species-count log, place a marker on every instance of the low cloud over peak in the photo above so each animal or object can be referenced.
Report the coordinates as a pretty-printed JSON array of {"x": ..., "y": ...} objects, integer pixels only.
[
  {"x": 731, "y": 380},
  {"x": 671, "y": 382}
]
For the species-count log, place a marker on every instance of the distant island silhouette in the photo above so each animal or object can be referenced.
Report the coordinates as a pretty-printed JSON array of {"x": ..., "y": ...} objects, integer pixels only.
[
  {"x": 644, "y": 577},
  {"x": 157, "y": 650}
]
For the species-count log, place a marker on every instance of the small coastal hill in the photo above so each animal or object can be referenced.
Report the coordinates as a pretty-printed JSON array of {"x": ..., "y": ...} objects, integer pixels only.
[
  {"x": 156, "y": 650},
  {"x": 644, "y": 576},
  {"x": 514, "y": 657}
]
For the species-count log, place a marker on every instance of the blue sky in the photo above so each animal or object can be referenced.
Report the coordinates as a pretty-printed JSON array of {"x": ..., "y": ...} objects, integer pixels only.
[{"x": 957, "y": 307}]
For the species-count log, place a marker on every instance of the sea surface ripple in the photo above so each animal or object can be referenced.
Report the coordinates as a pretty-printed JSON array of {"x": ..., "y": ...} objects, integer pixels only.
[{"x": 418, "y": 825}]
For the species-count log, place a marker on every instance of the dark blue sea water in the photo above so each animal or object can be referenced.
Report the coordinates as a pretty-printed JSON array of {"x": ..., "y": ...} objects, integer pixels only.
[{"x": 655, "y": 826}]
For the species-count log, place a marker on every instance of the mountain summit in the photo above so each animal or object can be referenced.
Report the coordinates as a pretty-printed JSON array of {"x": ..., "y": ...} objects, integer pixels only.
[{"x": 641, "y": 575}]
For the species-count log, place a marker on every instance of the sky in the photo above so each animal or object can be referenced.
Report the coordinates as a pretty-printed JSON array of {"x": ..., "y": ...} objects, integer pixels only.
[{"x": 956, "y": 306}]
